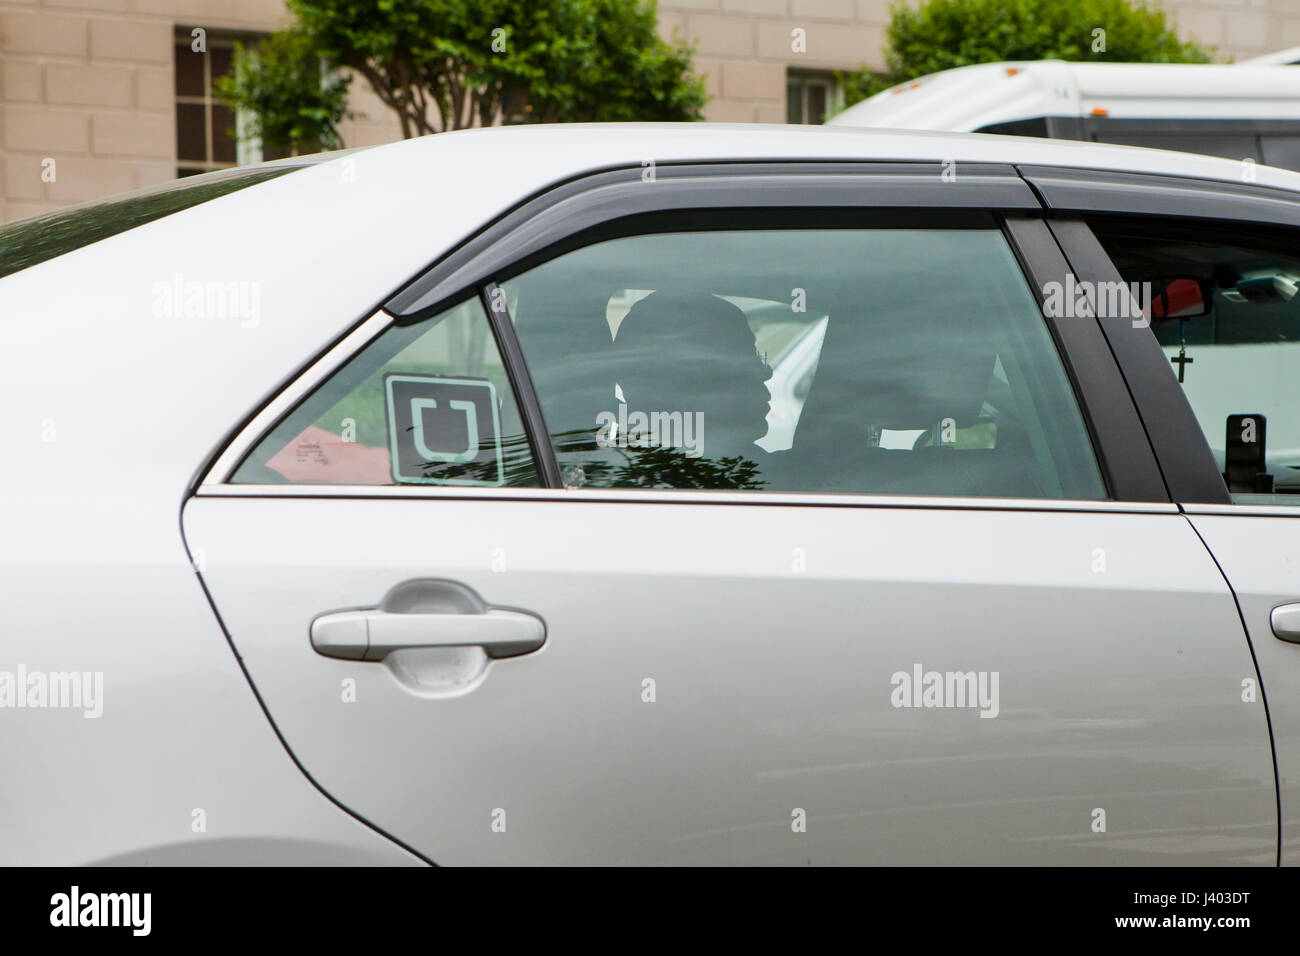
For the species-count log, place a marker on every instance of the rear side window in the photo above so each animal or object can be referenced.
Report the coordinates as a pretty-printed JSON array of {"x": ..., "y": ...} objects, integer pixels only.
[
  {"x": 870, "y": 361},
  {"x": 425, "y": 404},
  {"x": 30, "y": 241}
]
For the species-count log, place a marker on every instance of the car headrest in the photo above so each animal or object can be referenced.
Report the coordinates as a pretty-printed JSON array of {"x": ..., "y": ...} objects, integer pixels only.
[{"x": 898, "y": 366}]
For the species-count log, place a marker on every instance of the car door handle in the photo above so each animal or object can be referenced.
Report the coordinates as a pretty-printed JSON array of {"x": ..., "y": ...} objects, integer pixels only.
[
  {"x": 1286, "y": 622},
  {"x": 369, "y": 635}
]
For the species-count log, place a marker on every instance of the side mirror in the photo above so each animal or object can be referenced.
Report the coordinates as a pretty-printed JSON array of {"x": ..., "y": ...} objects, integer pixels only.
[
  {"x": 1180, "y": 297},
  {"x": 1244, "y": 452}
]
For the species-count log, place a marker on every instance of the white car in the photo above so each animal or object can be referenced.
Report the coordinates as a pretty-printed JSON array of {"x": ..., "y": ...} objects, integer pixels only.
[{"x": 657, "y": 494}]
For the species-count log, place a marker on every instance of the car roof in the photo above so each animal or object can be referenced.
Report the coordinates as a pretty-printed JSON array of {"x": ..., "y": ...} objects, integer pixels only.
[
  {"x": 446, "y": 186},
  {"x": 500, "y": 159}
]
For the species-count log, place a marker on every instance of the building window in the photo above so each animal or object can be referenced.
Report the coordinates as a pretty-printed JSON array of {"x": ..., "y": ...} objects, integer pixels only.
[
  {"x": 810, "y": 96},
  {"x": 209, "y": 134}
]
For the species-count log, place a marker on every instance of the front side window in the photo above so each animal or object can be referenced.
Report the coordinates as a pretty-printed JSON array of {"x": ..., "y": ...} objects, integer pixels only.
[
  {"x": 1229, "y": 323},
  {"x": 426, "y": 404},
  {"x": 886, "y": 360}
]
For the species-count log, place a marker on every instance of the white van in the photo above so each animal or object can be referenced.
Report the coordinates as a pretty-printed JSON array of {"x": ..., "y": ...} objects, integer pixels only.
[{"x": 1249, "y": 110}]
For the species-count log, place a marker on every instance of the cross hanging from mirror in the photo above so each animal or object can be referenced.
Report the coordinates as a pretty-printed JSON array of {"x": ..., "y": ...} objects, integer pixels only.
[{"x": 1182, "y": 360}]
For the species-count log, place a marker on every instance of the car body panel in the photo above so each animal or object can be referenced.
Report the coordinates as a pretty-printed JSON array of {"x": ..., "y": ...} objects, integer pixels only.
[
  {"x": 110, "y": 407},
  {"x": 1260, "y": 556},
  {"x": 771, "y": 634}
]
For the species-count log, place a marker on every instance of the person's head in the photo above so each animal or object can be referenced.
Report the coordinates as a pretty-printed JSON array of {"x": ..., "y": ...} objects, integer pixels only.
[{"x": 695, "y": 353}]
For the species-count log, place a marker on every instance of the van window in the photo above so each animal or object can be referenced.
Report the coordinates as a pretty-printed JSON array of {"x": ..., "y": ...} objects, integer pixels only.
[
  {"x": 1025, "y": 127},
  {"x": 1228, "y": 145},
  {"x": 1281, "y": 151}
]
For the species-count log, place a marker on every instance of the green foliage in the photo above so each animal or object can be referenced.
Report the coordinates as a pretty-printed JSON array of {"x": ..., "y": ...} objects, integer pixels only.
[
  {"x": 451, "y": 64},
  {"x": 612, "y": 66},
  {"x": 942, "y": 34},
  {"x": 858, "y": 85},
  {"x": 295, "y": 105}
]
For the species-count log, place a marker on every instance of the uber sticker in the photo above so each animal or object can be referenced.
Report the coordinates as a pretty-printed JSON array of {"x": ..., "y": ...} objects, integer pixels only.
[{"x": 443, "y": 431}]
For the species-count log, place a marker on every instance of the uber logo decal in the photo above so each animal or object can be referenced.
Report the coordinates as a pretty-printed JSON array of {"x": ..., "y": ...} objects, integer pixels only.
[{"x": 443, "y": 431}]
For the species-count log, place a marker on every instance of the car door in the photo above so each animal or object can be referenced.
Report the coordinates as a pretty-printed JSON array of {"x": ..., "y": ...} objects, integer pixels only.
[
  {"x": 1240, "y": 383},
  {"x": 524, "y": 573}
]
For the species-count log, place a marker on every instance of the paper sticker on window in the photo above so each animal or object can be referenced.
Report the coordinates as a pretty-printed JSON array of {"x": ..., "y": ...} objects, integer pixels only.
[{"x": 443, "y": 431}]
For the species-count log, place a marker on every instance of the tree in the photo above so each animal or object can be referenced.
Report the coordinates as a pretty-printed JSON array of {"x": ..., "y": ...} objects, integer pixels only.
[
  {"x": 942, "y": 34},
  {"x": 295, "y": 105},
  {"x": 451, "y": 64}
]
